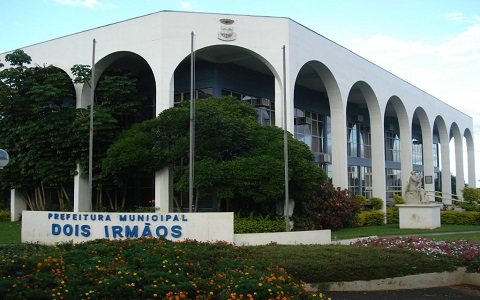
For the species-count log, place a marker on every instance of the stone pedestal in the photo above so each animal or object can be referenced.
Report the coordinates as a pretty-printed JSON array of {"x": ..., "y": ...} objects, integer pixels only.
[{"x": 420, "y": 216}]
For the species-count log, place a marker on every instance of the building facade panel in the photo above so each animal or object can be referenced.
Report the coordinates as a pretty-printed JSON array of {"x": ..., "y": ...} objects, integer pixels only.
[{"x": 368, "y": 128}]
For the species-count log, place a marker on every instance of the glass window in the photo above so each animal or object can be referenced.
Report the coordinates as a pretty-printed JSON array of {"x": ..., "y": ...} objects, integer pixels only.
[
  {"x": 352, "y": 142},
  {"x": 417, "y": 152},
  {"x": 185, "y": 96},
  {"x": 392, "y": 146},
  {"x": 394, "y": 182},
  {"x": 353, "y": 180},
  {"x": 436, "y": 156},
  {"x": 265, "y": 113},
  {"x": 365, "y": 142},
  {"x": 311, "y": 133}
]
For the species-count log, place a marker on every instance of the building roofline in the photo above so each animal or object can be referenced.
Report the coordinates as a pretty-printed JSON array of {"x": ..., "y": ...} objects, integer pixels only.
[{"x": 253, "y": 16}]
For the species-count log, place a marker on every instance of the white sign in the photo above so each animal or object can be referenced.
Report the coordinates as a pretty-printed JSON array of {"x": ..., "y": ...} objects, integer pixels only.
[{"x": 51, "y": 227}]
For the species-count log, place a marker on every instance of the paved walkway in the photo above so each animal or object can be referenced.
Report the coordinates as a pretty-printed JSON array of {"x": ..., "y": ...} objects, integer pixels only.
[{"x": 462, "y": 292}]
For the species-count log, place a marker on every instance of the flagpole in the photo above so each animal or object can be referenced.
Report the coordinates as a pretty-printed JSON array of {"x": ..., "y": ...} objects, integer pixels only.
[
  {"x": 90, "y": 150},
  {"x": 285, "y": 143},
  {"x": 192, "y": 125}
]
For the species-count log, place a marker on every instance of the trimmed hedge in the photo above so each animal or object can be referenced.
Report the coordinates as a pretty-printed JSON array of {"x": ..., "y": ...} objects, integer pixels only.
[
  {"x": 398, "y": 199},
  {"x": 377, "y": 203},
  {"x": 258, "y": 224},
  {"x": 460, "y": 218},
  {"x": 393, "y": 215},
  {"x": 370, "y": 218},
  {"x": 4, "y": 216},
  {"x": 451, "y": 217}
]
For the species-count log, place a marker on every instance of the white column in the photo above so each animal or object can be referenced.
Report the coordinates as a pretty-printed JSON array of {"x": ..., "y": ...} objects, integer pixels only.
[
  {"x": 446, "y": 173},
  {"x": 427, "y": 141},
  {"x": 81, "y": 193},
  {"x": 378, "y": 160},
  {"x": 459, "y": 166},
  {"x": 339, "y": 146},
  {"x": 405, "y": 152},
  {"x": 163, "y": 191},
  {"x": 81, "y": 189},
  {"x": 163, "y": 180},
  {"x": 17, "y": 205},
  {"x": 472, "y": 181}
]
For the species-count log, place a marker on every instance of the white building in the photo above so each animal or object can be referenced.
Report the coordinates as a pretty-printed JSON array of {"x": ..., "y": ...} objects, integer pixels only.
[{"x": 368, "y": 128}]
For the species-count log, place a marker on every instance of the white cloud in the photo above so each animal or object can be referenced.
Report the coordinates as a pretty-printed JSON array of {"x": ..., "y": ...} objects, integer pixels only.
[
  {"x": 186, "y": 5},
  {"x": 86, "y": 3},
  {"x": 448, "y": 70},
  {"x": 454, "y": 16}
]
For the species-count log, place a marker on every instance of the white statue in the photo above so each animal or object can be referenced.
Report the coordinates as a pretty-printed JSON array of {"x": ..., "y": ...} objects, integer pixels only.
[{"x": 415, "y": 193}]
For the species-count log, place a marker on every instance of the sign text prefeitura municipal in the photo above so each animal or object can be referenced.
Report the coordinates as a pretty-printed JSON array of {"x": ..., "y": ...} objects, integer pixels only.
[{"x": 49, "y": 227}]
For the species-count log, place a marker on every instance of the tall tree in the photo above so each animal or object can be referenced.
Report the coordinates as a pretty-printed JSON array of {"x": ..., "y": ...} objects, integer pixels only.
[
  {"x": 47, "y": 137},
  {"x": 118, "y": 106},
  {"x": 35, "y": 128},
  {"x": 236, "y": 158}
]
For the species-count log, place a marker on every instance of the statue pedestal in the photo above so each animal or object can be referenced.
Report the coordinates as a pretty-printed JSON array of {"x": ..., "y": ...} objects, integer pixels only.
[{"x": 420, "y": 216}]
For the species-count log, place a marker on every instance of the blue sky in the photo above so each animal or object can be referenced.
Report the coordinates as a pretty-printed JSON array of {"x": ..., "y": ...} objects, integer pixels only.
[{"x": 433, "y": 44}]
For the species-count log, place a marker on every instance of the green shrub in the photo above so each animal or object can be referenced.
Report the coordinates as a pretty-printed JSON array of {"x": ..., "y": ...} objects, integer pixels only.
[
  {"x": 377, "y": 203},
  {"x": 392, "y": 215},
  {"x": 258, "y": 224},
  {"x": 398, "y": 199},
  {"x": 453, "y": 217},
  {"x": 438, "y": 197},
  {"x": 370, "y": 218},
  {"x": 361, "y": 199},
  {"x": 328, "y": 208},
  {"x": 4, "y": 216},
  {"x": 471, "y": 195},
  {"x": 468, "y": 206}
]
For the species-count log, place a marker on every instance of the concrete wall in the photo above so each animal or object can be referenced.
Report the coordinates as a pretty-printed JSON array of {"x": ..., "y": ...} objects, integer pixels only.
[{"x": 49, "y": 227}]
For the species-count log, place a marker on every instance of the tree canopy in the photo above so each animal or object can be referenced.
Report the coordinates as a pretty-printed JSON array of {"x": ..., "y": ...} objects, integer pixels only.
[
  {"x": 36, "y": 129},
  {"x": 236, "y": 159},
  {"x": 44, "y": 133}
]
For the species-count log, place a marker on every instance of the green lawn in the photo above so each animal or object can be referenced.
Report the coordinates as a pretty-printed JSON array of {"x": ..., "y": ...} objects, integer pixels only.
[
  {"x": 393, "y": 229},
  {"x": 10, "y": 232}
]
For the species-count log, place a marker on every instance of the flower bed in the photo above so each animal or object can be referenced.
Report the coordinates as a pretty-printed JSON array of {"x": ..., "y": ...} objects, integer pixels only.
[
  {"x": 144, "y": 268},
  {"x": 462, "y": 253}
]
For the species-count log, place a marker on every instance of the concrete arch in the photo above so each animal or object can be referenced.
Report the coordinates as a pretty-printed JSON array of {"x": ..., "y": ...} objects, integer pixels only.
[
  {"x": 211, "y": 65},
  {"x": 361, "y": 92},
  {"x": 470, "y": 157},
  {"x": 122, "y": 59},
  {"x": 222, "y": 54},
  {"x": 317, "y": 76},
  {"x": 125, "y": 58},
  {"x": 458, "y": 144},
  {"x": 446, "y": 179},
  {"x": 396, "y": 107},
  {"x": 426, "y": 130}
]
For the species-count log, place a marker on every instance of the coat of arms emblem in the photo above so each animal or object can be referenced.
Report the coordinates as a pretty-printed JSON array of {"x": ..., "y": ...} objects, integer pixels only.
[{"x": 226, "y": 33}]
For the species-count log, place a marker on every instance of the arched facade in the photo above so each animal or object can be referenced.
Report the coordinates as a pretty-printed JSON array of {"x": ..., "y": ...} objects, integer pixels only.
[{"x": 352, "y": 113}]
